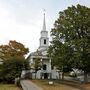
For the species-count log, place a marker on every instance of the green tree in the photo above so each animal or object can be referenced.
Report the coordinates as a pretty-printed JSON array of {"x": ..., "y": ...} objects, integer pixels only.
[
  {"x": 11, "y": 69},
  {"x": 26, "y": 65},
  {"x": 37, "y": 62},
  {"x": 72, "y": 30},
  {"x": 60, "y": 56}
]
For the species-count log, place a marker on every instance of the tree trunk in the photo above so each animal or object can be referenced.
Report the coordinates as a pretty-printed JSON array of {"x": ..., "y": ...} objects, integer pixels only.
[
  {"x": 35, "y": 74},
  {"x": 85, "y": 77},
  {"x": 59, "y": 77},
  {"x": 62, "y": 75}
]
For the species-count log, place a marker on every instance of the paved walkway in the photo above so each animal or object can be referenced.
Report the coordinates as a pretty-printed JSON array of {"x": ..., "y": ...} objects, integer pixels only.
[{"x": 28, "y": 85}]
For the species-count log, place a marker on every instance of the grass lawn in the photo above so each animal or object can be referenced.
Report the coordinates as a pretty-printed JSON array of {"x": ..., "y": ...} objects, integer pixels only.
[
  {"x": 8, "y": 87},
  {"x": 44, "y": 84}
]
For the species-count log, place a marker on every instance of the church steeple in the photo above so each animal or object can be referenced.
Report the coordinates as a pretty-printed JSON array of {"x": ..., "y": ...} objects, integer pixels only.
[
  {"x": 44, "y": 23},
  {"x": 44, "y": 40}
]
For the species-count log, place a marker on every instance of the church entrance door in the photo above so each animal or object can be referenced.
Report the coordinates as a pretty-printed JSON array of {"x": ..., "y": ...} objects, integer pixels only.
[{"x": 45, "y": 75}]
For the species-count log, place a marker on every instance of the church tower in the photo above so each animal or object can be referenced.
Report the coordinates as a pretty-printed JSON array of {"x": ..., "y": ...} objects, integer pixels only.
[
  {"x": 44, "y": 40},
  {"x": 46, "y": 72}
]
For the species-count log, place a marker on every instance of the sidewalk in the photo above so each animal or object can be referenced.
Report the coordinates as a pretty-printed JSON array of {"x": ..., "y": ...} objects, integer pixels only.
[{"x": 28, "y": 85}]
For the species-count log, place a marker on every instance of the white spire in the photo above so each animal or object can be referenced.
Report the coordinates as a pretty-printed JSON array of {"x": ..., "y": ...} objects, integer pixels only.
[{"x": 44, "y": 23}]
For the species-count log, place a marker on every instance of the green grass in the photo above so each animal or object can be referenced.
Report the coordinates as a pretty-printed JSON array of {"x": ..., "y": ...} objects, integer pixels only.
[{"x": 8, "y": 87}]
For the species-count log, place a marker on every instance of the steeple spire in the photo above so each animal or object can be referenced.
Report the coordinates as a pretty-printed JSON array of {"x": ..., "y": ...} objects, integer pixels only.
[
  {"x": 44, "y": 23},
  {"x": 44, "y": 40}
]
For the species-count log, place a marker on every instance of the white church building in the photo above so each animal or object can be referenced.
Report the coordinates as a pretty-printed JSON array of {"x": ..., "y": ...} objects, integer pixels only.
[{"x": 46, "y": 71}]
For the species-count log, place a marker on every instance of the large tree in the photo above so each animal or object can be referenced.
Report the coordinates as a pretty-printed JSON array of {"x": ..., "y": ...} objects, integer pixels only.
[
  {"x": 72, "y": 31},
  {"x": 13, "y": 56}
]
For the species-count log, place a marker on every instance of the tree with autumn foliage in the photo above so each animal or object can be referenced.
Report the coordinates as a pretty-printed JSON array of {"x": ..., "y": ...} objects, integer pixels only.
[
  {"x": 13, "y": 56},
  {"x": 13, "y": 49}
]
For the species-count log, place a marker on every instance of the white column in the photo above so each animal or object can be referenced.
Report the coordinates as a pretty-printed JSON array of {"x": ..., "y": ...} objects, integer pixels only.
[
  {"x": 41, "y": 69},
  {"x": 50, "y": 65}
]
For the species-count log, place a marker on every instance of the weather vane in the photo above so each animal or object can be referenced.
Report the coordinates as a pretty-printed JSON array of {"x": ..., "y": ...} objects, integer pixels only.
[{"x": 44, "y": 11}]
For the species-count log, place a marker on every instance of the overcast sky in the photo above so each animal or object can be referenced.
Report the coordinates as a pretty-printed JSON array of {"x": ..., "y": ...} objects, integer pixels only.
[{"x": 22, "y": 20}]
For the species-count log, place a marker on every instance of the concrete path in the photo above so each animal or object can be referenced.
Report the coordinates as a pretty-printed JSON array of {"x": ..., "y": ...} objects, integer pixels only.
[{"x": 28, "y": 85}]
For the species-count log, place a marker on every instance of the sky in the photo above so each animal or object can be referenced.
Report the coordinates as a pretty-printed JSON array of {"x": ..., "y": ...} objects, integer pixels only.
[{"x": 22, "y": 20}]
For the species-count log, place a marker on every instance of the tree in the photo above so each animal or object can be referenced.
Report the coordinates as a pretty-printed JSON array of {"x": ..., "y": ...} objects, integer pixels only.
[
  {"x": 60, "y": 56},
  {"x": 13, "y": 49},
  {"x": 11, "y": 69},
  {"x": 26, "y": 65},
  {"x": 72, "y": 30},
  {"x": 37, "y": 62},
  {"x": 13, "y": 56}
]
